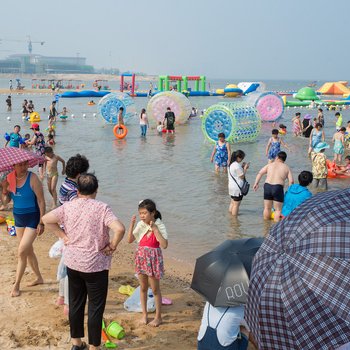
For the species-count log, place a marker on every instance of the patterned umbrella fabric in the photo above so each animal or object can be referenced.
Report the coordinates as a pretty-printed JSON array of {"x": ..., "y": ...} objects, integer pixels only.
[
  {"x": 9, "y": 156},
  {"x": 222, "y": 275},
  {"x": 299, "y": 292}
]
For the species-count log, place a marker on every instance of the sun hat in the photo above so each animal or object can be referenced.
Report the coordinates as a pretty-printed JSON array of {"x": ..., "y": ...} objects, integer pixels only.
[
  {"x": 320, "y": 146},
  {"x": 35, "y": 126},
  {"x": 308, "y": 116}
]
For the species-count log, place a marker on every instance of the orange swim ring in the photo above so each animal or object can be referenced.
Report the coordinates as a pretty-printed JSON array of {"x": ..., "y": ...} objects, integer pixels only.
[{"x": 122, "y": 134}]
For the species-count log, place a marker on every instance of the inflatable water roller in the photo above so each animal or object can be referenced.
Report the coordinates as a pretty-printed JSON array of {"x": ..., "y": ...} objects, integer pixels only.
[
  {"x": 179, "y": 104},
  {"x": 109, "y": 106},
  {"x": 239, "y": 122},
  {"x": 269, "y": 105}
]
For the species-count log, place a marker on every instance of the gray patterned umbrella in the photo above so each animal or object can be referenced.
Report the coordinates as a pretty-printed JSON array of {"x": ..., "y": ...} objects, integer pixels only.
[{"x": 299, "y": 292}]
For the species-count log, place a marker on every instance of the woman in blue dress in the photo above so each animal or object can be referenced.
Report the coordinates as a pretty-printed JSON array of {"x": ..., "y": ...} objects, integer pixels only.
[
  {"x": 221, "y": 153},
  {"x": 316, "y": 136}
]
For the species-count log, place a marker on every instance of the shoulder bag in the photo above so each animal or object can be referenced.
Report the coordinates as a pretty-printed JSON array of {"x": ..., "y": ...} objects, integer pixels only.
[{"x": 245, "y": 187}]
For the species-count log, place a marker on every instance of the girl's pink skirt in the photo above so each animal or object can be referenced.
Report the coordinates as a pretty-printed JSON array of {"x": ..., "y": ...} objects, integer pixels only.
[{"x": 149, "y": 261}]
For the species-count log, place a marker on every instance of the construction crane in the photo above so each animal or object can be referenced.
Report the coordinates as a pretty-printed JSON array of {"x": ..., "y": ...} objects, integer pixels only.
[{"x": 29, "y": 41}]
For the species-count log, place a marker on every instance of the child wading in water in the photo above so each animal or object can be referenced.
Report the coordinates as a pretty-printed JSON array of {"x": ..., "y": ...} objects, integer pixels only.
[
  {"x": 150, "y": 234},
  {"x": 297, "y": 124},
  {"x": 52, "y": 172},
  {"x": 221, "y": 152},
  {"x": 273, "y": 147}
]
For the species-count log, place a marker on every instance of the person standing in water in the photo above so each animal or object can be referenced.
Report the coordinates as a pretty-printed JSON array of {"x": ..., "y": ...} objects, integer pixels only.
[
  {"x": 276, "y": 175},
  {"x": 143, "y": 122},
  {"x": 221, "y": 153},
  {"x": 339, "y": 144},
  {"x": 170, "y": 121}
]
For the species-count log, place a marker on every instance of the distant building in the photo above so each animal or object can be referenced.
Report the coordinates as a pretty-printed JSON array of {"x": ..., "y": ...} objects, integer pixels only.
[{"x": 38, "y": 64}]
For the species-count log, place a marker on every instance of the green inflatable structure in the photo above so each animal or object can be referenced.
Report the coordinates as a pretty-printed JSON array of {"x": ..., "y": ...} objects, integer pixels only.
[{"x": 306, "y": 94}]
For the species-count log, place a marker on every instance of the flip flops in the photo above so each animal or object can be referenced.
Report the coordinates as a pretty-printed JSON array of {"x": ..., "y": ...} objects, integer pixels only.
[{"x": 126, "y": 289}]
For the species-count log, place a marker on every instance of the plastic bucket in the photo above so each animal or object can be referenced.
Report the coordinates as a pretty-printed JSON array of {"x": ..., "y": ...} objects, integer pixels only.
[{"x": 115, "y": 330}]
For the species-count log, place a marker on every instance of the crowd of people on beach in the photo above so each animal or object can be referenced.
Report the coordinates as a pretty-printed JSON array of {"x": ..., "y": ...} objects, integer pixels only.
[
  {"x": 88, "y": 247},
  {"x": 277, "y": 171},
  {"x": 83, "y": 268}
]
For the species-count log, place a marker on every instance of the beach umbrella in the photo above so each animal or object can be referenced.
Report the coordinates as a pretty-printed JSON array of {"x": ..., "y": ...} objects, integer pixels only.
[
  {"x": 9, "y": 156},
  {"x": 299, "y": 292},
  {"x": 222, "y": 275}
]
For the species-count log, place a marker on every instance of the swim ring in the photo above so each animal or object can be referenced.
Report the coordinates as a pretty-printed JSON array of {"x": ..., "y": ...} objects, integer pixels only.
[
  {"x": 34, "y": 117},
  {"x": 331, "y": 166},
  {"x": 123, "y": 134},
  {"x": 64, "y": 117}
]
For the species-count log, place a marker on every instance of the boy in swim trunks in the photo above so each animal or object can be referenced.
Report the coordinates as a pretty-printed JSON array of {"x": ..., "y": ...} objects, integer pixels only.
[
  {"x": 276, "y": 175},
  {"x": 52, "y": 172}
]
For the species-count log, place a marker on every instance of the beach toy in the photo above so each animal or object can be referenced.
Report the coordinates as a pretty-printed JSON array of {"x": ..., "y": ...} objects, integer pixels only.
[
  {"x": 8, "y": 118},
  {"x": 133, "y": 303},
  {"x": 11, "y": 229},
  {"x": 108, "y": 343},
  {"x": 122, "y": 134},
  {"x": 239, "y": 122},
  {"x": 7, "y": 137},
  {"x": 115, "y": 330},
  {"x": 34, "y": 117},
  {"x": 110, "y": 104},
  {"x": 126, "y": 289},
  {"x": 331, "y": 167},
  {"x": 179, "y": 104},
  {"x": 306, "y": 94},
  {"x": 2, "y": 220},
  {"x": 269, "y": 105}
]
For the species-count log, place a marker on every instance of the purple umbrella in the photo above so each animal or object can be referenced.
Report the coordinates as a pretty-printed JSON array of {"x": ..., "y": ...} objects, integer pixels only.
[
  {"x": 299, "y": 287},
  {"x": 9, "y": 156}
]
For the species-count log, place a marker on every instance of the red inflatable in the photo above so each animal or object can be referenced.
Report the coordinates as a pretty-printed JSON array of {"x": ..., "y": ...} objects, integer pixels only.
[{"x": 331, "y": 166}]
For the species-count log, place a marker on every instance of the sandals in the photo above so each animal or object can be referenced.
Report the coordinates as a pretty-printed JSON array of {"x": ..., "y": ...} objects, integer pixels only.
[{"x": 83, "y": 346}]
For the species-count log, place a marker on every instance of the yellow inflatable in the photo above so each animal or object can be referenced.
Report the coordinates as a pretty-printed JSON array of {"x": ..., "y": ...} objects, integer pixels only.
[
  {"x": 232, "y": 90},
  {"x": 34, "y": 117}
]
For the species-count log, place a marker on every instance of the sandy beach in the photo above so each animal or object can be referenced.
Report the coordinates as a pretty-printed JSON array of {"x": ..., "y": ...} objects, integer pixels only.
[{"x": 33, "y": 321}]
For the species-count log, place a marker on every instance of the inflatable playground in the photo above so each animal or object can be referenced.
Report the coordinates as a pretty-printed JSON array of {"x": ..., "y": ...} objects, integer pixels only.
[
  {"x": 188, "y": 85},
  {"x": 308, "y": 97}
]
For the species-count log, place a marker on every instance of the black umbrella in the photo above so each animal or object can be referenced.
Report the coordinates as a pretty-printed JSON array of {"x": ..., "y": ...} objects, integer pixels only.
[{"x": 222, "y": 275}]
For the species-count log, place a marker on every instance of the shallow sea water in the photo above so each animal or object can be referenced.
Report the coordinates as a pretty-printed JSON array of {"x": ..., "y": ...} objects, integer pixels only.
[{"x": 174, "y": 170}]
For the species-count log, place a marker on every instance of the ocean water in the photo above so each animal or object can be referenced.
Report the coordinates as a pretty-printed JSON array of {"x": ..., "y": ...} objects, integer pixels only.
[{"x": 174, "y": 170}]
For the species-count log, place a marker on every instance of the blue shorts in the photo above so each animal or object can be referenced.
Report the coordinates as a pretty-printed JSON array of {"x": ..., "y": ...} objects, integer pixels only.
[{"x": 30, "y": 220}]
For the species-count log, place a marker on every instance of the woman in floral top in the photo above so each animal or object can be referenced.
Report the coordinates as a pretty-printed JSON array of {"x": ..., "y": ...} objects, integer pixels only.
[{"x": 87, "y": 255}]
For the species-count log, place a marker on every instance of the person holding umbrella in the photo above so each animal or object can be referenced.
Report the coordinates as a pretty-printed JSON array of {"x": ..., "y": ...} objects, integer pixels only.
[{"x": 26, "y": 191}]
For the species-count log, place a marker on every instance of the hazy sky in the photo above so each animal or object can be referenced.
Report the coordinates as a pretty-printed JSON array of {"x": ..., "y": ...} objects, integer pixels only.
[{"x": 257, "y": 39}]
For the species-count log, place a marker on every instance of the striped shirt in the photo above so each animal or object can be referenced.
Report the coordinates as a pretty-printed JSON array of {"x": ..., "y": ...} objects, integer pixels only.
[{"x": 68, "y": 191}]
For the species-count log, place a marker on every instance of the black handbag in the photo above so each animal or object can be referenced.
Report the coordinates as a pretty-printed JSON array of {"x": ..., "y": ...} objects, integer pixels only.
[{"x": 245, "y": 187}]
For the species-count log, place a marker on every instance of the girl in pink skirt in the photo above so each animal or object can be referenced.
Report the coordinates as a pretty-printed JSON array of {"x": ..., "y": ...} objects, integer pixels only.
[{"x": 150, "y": 234}]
